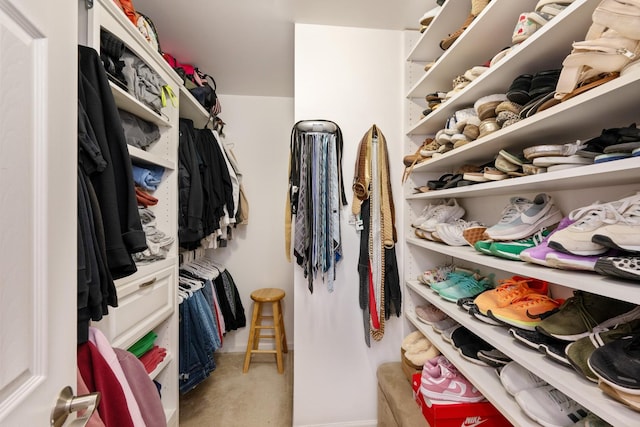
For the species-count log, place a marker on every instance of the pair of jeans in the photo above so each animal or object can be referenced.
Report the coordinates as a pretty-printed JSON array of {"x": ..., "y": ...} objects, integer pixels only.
[{"x": 198, "y": 341}]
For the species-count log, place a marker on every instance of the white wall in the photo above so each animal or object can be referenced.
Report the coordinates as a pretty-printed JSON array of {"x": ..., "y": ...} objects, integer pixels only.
[
  {"x": 259, "y": 129},
  {"x": 353, "y": 77}
]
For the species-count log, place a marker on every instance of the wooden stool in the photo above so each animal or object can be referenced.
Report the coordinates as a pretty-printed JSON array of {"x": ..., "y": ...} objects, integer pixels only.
[{"x": 260, "y": 296}]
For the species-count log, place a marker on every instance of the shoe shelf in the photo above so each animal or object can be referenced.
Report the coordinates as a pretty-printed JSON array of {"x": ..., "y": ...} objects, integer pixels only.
[
  {"x": 618, "y": 172},
  {"x": 494, "y": 27},
  {"x": 451, "y": 16},
  {"x": 564, "y": 378},
  {"x": 483, "y": 378},
  {"x": 489, "y": 33},
  {"x": 584, "y": 280},
  {"x": 581, "y": 117}
]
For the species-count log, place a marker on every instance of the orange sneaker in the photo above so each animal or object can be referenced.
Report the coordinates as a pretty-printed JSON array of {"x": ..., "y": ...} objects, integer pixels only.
[
  {"x": 508, "y": 291},
  {"x": 525, "y": 312}
]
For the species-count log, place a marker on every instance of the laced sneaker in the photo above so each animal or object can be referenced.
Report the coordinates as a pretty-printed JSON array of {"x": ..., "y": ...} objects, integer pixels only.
[
  {"x": 577, "y": 239},
  {"x": 525, "y": 312},
  {"x": 447, "y": 212},
  {"x": 437, "y": 274},
  {"x": 552, "y": 347},
  {"x": 549, "y": 406},
  {"x": 483, "y": 246},
  {"x": 494, "y": 357},
  {"x": 581, "y": 313},
  {"x": 448, "y": 384},
  {"x": 625, "y": 234},
  {"x": 626, "y": 267},
  {"x": 424, "y": 215},
  {"x": 515, "y": 378},
  {"x": 617, "y": 364},
  {"x": 538, "y": 254},
  {"x": 591, "y": 420},
  {"x": 508, "y": 291},
  {"x": 429, "y": 313},
  {"x": 466, "y": 287},
  {"x": 512, "y": 250},
  {"x": 451, "y": 233},
  {"x": 579, "y": 352},
  {"x": 522, "y": 217},
  {"x": 452, "y": 278}
]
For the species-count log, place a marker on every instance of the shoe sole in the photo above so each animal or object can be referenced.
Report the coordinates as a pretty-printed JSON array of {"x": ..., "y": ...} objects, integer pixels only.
[
  {"x": 561, "y": 264},
  {"x": 527, "y": 258},
  {"x": 606, "y": 268},
  {"x": 506, "y": 255},
  {"x": 606, "y": 241},
  {"x": 559, "y": 247},
  {"x": 529, "y": 326},
  {"x": 541, "y": 347}
]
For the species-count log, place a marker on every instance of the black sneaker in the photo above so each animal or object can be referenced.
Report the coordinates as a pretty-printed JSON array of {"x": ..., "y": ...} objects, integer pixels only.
[
  {"x": 626, "y": 267},
  {"x": 466, "y": 303},
  {"x": 475, "y": 312},
  {"x": 618, "y": 363},
  {"x": 494, "y": 357},
  {"x": 553, "y": 348}
]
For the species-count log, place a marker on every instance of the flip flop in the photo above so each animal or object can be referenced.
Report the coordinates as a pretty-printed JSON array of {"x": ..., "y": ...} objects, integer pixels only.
[{"x": 440, "y": 182}]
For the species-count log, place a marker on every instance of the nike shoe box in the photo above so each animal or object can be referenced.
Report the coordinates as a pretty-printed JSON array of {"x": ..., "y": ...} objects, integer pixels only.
[{"x": 456, "y": 414}]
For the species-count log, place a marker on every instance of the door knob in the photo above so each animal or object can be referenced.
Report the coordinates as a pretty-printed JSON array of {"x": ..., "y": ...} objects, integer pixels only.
[{"x": 68, "y": 403}]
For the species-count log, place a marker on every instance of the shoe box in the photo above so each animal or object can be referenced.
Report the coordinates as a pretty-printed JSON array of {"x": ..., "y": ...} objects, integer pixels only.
[{"x": 457, "y": 414}]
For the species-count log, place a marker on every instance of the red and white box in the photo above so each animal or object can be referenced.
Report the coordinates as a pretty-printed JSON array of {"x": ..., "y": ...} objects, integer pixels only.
[{"x": 457, "y": 414}]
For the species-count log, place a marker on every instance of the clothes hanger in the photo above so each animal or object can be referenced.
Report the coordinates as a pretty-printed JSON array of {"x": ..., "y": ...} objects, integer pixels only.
[{"x": 316, "y": 126}]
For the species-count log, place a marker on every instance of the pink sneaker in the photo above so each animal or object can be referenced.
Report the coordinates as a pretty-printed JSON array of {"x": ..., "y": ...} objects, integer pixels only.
[
  {"x": 564, "y": 261},
  {"x": 538, "y": 254},
  {"x": 447, "y": 384},
  {"x": 429, "y": 313}
]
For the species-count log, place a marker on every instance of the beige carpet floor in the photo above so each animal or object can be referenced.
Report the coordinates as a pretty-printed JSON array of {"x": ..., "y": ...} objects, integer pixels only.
[{"x": 229, "y": 398}]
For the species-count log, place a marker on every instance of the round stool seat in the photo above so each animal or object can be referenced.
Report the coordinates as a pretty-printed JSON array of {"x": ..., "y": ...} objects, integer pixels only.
[{"x": 267, "y": 295}]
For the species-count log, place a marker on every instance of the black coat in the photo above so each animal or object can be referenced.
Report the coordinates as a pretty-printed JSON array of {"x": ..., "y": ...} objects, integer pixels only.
[{"x": 114, "y": 185}]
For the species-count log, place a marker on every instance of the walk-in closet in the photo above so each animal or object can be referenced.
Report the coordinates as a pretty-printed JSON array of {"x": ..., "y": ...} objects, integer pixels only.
[{"x": 435, "y": 203}]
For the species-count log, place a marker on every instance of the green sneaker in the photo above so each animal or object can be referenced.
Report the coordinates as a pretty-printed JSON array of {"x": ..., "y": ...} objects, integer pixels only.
[
  {"x": 483, "y": 246},
  {"x": 579, "y": 352},
  {"x": 581, "y": 313},
  {"x": 511, "y": 250}
]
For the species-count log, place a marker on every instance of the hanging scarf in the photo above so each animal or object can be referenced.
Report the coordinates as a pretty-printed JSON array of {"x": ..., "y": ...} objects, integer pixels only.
[{"x": 373, "y": 204}]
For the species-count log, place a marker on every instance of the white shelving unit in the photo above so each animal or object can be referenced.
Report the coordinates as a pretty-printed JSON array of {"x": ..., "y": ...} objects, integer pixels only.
[
  {"x": 582, "y": 117},
  {"x": 147, "y": 299}
]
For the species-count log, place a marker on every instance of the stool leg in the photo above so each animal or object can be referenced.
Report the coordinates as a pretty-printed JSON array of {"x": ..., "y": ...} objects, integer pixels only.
[
  {"x": 252, "y": 335},
  {"x": 278, "y": 335},
  {"x": 285, "y": 349}
]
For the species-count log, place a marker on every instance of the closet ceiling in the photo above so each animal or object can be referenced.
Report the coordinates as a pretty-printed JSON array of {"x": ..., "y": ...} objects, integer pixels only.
[{"x": 247, "y": 45}]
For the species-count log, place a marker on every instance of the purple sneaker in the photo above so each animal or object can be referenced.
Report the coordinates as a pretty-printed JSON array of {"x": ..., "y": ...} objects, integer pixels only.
[{"x": 538, "y": 254}]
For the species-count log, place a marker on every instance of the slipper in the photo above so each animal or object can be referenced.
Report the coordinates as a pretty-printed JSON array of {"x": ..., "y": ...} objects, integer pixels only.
[
  {"x": 453, "y": 182},
  {"x": 494, "y": 174},
  {"x": 624, "y": 147},
  {"x": 518, "y": 92},
  {"x": 513, "y": 158},
  {"x": 562, "y": 160},
  {"x": 440, "y": 182},
  {"x": 475, "y": 177}
]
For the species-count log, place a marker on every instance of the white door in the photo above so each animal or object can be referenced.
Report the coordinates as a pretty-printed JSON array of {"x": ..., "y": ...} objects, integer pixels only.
[{"x": 38, "y": 96}]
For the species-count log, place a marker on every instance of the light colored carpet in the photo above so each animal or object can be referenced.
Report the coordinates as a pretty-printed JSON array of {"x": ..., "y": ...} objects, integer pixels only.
[{"x": 229, "y": 398}]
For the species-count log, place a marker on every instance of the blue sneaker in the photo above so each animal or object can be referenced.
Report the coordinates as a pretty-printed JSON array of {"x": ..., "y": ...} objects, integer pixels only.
[
  {"x": 467, "y": 287},
  {"x": 452, "y": 278}
]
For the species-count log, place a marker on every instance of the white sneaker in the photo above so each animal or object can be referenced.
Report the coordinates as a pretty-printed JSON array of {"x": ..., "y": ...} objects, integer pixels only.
[
  {"x": 625, "y": 234},
  {"x": 424, "y": 215},
  {"x": 549, "y": 407},
  {"x": 515, "y": 378},
  {"x": 451, "y": 233},
  {"x": 447, "y": 212},
  {"x": 577, "y": 239}
]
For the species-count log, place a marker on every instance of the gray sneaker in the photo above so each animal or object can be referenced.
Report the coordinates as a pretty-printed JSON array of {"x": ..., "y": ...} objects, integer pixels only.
[
  {"x": 580, "y": 314},
  {"x": 522, "y": 217}
]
